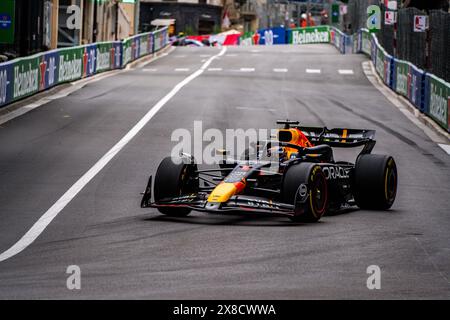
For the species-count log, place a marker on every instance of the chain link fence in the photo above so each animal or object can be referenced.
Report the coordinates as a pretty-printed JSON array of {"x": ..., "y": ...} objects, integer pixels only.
[
  {"x": 411, "y": 46},
  {"x": 429, "y": 50},
  {"x": 439, "y": 63},
  {"x": 386, "y": 35},
  {"x": 357, "y": 14}
]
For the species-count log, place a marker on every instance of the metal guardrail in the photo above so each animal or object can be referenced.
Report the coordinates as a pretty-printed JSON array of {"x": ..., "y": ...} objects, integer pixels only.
[
  {"x": 427, "y": 92},
  {"x": 23, "y": 77}
]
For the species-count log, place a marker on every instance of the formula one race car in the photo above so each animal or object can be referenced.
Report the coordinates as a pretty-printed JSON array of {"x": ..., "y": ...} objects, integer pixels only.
[{"x": 303, "y": 183}]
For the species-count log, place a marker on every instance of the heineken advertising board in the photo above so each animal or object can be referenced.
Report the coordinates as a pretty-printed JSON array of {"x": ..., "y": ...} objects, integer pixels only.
[
  {"x": 7, "y": 13},
  {"x": 308, "y": 35},
  {"x": 246, "y": 39},
  {"x": 104, "y": 56},
  {"x": 71, "y": 64},
  {"x": 401, "y": 77},
  {"x": 26, "y": 77},
  {"x": 438, "y": 95}
]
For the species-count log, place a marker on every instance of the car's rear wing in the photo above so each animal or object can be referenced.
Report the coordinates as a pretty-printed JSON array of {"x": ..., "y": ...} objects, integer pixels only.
[{"x": 341, "y": 138}]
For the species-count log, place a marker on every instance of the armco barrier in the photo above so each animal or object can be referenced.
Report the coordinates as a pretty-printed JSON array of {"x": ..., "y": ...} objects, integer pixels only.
[
  {"x": 437, "y": 93},
  {"x": 246, "y": 39},
  {"x": 336, "y": 39},
  {"x": 366, "y": 41},
  {"x": 428, "y": 93},
  {"x": 6, "y": 80},
  {"x": 49, "y": 66},
  {"x": 416, "y": 87},
  {"x": 160, "y": 39},
  {"x": 319, "y": 34},
  {"x": 401, "y": 75},
  {"x": 26, "y": 76},
  {"x": 343, "y": 42},
  {"x": 272, "y": 36},
  {"x": 71, "y": 64},
  {"x": 388, "y": 70}
]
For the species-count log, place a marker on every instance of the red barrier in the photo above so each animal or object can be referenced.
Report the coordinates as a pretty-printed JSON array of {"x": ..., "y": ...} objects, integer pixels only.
[{"x": 225, "y": 40}]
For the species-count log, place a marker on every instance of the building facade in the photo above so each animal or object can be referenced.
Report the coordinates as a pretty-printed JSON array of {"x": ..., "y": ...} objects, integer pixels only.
[
  {"x": 191, "y": 16},
  {"x": 245, "y": 15},
  {"x": 40, "y": 25}
]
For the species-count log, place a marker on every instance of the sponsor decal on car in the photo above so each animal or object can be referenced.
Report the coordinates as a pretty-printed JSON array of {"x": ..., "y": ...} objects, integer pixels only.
[
  {"x": 335, "y": 173},
  {"x": 256, "y": 203}
]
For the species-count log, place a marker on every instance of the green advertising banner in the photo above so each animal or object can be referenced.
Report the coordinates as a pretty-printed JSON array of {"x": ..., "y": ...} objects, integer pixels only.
[
  {"x": 366, "y": 45},
  {"x": 70, "y": 64},
  {"x": 143, "y": 44},
  {"x": 379, "y": 65},
  {"x": 25, "y": 77},
  {"x": 246, "y": 39},
  {"x": 103, "y": 56},
  {"x": 7, "y": 15},
  {"x": 307, "y": 35},
  {"x": 126, "y": 51},
  {"x": 401, "y": 80},
  {"x": 439, "y": 95}
]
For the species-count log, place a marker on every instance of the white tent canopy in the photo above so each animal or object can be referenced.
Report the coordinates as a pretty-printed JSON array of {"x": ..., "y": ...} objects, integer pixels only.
[{"x": 162, "y": 22}]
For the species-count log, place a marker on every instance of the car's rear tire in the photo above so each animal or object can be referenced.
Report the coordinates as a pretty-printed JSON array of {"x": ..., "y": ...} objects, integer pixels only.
[
  {"x": 375, "y": 182},
  {"x": 306, "y": 187},
  {"x": 173, "y": 178}
]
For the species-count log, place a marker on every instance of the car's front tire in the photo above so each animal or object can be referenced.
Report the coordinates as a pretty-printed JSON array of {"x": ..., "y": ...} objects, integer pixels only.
[
  {"x": 306, "y": 187},
  {"x": 173, "y": 178}
]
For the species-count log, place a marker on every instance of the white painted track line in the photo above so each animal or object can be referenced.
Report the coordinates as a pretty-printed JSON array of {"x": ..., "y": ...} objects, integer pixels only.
[
  {"x": 32, "y": 234},
  {"x": 316, "y": 71},
  {"x": 280, "y": 70},
  {"x": 149, "y": 70},
  {"x": 215, "y": 69},
  {"x": 346, "y": 71},
  {"x": 255, "y": 109},
  {"x": 446, "y": 147},
  {"x": 182, "y": 69},
  {"x": 247, "y": 69}
]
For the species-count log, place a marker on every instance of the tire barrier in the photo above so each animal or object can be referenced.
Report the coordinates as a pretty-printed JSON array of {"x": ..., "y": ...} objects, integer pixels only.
[
  {"x": 428, "y": 93},
  {"x": 23, "y": 77}
]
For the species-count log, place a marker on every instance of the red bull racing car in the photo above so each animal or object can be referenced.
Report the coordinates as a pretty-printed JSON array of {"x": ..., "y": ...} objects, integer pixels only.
[{"x": 303, "y": 183}]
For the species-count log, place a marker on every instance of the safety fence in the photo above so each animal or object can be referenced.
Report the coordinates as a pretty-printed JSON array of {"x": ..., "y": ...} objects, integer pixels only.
[
  {"x": 309, "y": 35},
  {"x": 428, "y": 93},
  {"x": 23, "y": 77},
  {"x": 428, "y": 50}
]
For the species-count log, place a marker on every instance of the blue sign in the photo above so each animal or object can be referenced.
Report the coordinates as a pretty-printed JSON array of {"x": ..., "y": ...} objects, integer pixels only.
[
  {"x": 272, "y": 36},
  {"x": 5, "y": 21},
  {"x": 6, "y": 82}
]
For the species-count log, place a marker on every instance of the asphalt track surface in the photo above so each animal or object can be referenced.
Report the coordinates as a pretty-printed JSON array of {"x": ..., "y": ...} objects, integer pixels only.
[{"x": 128, "y": 252}]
